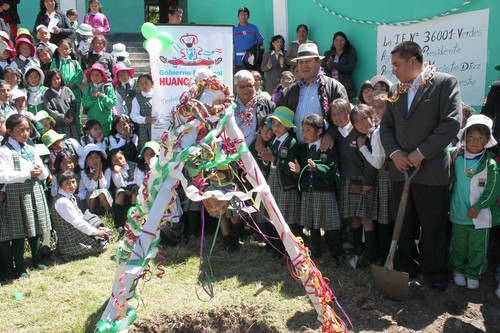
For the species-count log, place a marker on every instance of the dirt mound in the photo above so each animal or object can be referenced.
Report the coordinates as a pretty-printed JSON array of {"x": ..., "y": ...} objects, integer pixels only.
[{"x": 243, "y": 319}]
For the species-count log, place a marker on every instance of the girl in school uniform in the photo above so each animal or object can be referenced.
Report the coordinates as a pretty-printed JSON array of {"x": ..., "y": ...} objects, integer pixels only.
[
  {"x": 315, "y": 171},
  {"x": 57, "y": 143},
  {"x": 25, "y": 54},
  {"x": 96, "y": 19},
  {"x": 76, "y": 237},
  {"x": 96, "y": 179},
  {"x": 125, "y": 88},
  {"x": 151, "y": 149},
  {"x": 71, "y": 72},
  {"x": 65, "y": 161},
  {"x": 122, "y": 137},
  {"x": 99, "y": 98},
  {"x": 33, "y": 81},
  {"x": 357, "y": 177},
  {"x": 366, "y": 121},
  {"x": 60, "y": 104},
  {"x": 283, "y": 150},
  {"x": 27, "y": 213},
  {"x": 123, "y": 177},
  {"x": 5, "y": 95},
  {"x": 142, "y": 109},
  {"x": 93, "y": 134}
]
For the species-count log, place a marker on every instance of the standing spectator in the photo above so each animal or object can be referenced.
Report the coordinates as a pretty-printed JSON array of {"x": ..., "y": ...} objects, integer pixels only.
[
  {"x": 492, "y": 109},
  {"x": 302, "y": 32},
  {"x": 273, "y": 63},
  {"x": 96, "y": 19},
  {"x": 340, "y": 61},
  {"x": 98, "y": 55},
  {"x": 247, "y": 41},
  {"x": 49, "y": 9},
  {"x": 174, "y": 15},
  {"x": 422, "y": 118},
  {"x": 8, "y": 12},
  {"x": 316, "y": 91}
]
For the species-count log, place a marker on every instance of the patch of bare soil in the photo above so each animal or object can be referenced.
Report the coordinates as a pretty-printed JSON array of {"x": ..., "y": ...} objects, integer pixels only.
[{"x": 245, "y": 319}]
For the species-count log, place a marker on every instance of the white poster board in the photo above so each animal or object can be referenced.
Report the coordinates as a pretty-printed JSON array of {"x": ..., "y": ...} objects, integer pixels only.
[
  {"x": 193, "y": 47},
  {"x": 455, "y": 44}
]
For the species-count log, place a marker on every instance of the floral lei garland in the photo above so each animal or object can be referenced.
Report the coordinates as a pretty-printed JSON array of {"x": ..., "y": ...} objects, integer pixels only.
[
  {"x": 247, "y": 115},
  {"x": 404, "y": 87}
]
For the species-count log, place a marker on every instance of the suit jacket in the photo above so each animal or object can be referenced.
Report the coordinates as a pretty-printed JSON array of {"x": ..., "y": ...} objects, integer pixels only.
[
  {"x": 492, "y": 108},
  {"x": 430, "y": 124}
]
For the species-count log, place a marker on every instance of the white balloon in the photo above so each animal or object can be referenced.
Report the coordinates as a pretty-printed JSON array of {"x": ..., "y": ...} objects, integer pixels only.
[{"x": 153, "y": 46}]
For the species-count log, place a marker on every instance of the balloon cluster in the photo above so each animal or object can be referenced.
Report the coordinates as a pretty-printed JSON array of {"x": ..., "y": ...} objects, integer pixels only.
[{"x": 155, "y": 42}]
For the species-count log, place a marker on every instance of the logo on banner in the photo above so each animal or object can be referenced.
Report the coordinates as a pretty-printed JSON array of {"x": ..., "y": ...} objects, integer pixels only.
[{"x": 189, "y": 54}]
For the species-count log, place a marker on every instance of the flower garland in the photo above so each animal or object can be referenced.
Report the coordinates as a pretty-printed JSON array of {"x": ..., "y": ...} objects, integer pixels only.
[
  {"x": 247, "y": 116},
  {"x": 404, "y": 87}
]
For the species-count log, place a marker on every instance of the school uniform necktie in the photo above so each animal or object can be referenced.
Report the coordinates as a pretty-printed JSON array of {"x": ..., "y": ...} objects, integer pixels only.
[
  {"x": 312, "y": 150},
  {"x": 274, "y": 147},
  {"x": 27, "y": 153},
  {"x": 127, "y": 88}
]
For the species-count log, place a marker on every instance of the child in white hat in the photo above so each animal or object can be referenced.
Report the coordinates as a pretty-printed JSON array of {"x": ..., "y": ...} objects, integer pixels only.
[
  {"x": 120, "y": 54},
  {"x": 473, "y": 209}
]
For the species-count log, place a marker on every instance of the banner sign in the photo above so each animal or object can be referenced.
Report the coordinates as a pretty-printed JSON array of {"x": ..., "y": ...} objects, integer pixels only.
[
  {"x": 193, "y": 47},
  {"x": 455, "y": 44}
]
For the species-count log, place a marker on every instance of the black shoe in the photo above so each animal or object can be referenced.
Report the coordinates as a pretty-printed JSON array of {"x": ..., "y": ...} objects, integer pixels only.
[{"x": 438, "y": 287}]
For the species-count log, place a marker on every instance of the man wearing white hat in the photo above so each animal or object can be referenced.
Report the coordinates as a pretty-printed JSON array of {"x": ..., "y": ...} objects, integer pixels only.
[{"x": 316, "y": 91}]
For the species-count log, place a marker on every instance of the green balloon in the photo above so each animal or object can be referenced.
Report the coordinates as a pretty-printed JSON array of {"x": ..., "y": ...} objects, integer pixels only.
[
  {"x": 166, "y": 40},
  {"x": 148, "y": 30},
  {"x": 144, "y": 44}
]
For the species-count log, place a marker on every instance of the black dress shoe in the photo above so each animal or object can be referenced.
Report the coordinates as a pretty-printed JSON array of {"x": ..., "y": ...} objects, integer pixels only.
[{"x": 438, "y": 287}]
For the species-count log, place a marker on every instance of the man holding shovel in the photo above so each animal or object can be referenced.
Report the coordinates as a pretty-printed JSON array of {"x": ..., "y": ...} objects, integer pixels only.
[{"x": 423, "y": 116}]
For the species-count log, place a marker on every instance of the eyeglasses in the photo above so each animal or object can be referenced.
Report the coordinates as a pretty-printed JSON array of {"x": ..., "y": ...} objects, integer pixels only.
[
  {"x": 397, "y": 65},
  {"x": 247, "y": 86}
]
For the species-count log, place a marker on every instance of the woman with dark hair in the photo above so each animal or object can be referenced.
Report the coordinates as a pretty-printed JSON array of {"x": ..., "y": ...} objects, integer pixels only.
[
  {"x": 340, "y": 61},
  {"x": 302, "y": 32},
  {"x": 273, "y": 63},
  {"x": 49, "y": 9}
]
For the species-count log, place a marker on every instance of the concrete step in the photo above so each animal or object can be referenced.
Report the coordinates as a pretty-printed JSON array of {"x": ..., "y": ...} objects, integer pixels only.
[{"x": 139, "y": 56}]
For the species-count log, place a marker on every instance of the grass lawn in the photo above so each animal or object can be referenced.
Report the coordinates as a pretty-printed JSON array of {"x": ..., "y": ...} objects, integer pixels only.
[{"x": 251, "y": 288}]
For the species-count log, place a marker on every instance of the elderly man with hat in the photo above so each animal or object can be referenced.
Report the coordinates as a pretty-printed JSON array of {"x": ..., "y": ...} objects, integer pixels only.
[
  {"x": 492, "y": 109},
  {"x": 316, "y": 91}
]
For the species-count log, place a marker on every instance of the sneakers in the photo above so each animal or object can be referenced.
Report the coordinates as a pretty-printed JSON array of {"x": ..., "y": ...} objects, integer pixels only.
[
  {"x": 459, "y": 279},
  {"x": 472, "y": 284}
]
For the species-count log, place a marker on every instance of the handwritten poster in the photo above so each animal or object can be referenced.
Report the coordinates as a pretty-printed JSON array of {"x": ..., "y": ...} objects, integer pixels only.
[
  {"x": 455, "y": 44},
  {"x": 193, "y": 47}
]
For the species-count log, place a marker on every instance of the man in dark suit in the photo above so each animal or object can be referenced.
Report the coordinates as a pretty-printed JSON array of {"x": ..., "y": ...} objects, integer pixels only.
[
  {"x": 422, "y": 118},
  {"x": 492, "y": 109}
]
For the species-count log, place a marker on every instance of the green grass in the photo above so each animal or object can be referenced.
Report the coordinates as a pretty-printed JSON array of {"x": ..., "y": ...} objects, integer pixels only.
[{"x": 71, "y": 297}]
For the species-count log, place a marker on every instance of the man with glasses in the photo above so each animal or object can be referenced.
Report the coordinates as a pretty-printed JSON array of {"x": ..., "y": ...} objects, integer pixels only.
[{"x": 423, "y": 116}]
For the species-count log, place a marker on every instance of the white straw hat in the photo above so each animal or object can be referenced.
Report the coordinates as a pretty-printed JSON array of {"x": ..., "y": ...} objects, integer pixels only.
[
  {"x": 308, "y": 50},
  {"x": 479, "y": 119}
]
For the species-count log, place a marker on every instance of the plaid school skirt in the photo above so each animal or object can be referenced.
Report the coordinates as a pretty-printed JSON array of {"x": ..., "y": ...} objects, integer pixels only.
[
  {"x": 71, "y": 131},
  {"x": 356, "y": 204},
  {"x": 96, "y": 193},
  {"x": 386, "y": 210},
  {"x": 288, "y": 201},
  {"x": 319, "y": 209},
  {"x": 144, "y": 134}
]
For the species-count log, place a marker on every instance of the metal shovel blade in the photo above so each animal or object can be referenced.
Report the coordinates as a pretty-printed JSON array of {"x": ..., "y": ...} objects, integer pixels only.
[{"x": 391, "y": 283}]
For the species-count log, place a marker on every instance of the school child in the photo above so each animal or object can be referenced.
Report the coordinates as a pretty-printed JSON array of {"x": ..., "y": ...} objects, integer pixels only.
[
  {"x": 366, "y": 121},
  {"x": 473, "y": 208},
  {"x": 99, "y": 97},
  {"x": 96, "y": 179},
  {"x": 122, "y": 137},
  {"x": 25, "y": 33},
  {"x": 44, "y": 55},
  {"x": 86, "y": 36},
  {"x": 60, "y": 104},
  {"x": 366, "y": 93},
  {"x": 286, "y": 79},
  {"x": 19, "y": 105},
  {"x": 357, "y": 178},
  {"x": 92, "y": 133},
  {"x": 65, "y": 161},
  {"x": 25, "y": 54},
  {"x": 379, "y": 104},
  {"x": 96, "y": 19},
  {"x": 142, "y": 109},
  {"x": 58, "y": 143},
  {"x": 126, "y": 87},
  {"x": 8, "y": 55},
  {"x": 283, "y": 149},
  {"x": 72, "y": 16},
  {"x": 315, "y": 171},
  {"x": 5, "y": 94},
  {"x": 72, "y": 74},
  {"x": 380, "y": 85},
  {"x": 76, "y": 237},
  {"x": 45, "y": 120},
  {"x": 125, "y": 183},
  {"x": 27, "y": 213},
  {"x": 33, "y": 81},
  {"x": 43, "y": 36},
  {"x": 267, "y": 135},
  {"x": 13, "y": 76},
  {"x": 121, "y": 55},
  {"x": 98, "y": 55},
  {"x": 151, "y": 149}
]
